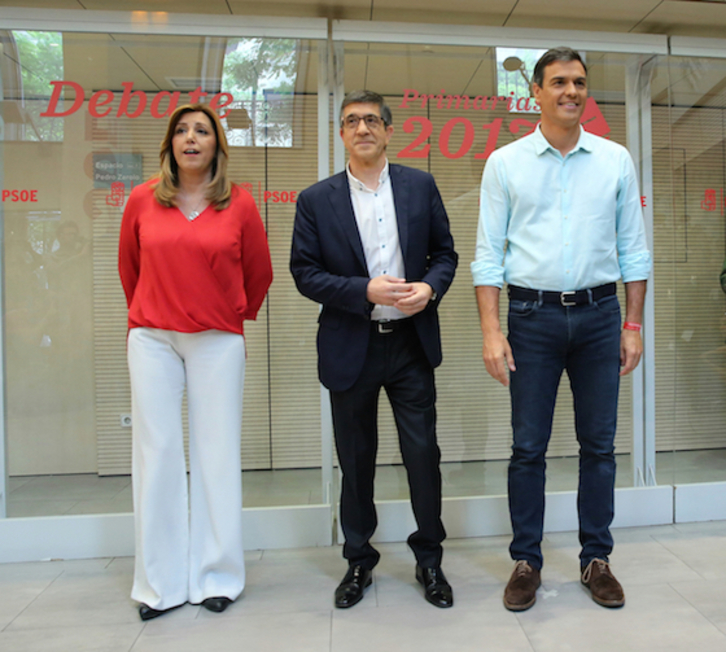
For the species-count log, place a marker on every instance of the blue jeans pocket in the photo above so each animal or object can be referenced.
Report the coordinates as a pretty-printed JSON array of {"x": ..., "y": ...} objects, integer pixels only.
[
  {"x": 609, "y": 305},
  {"x": 519, "y": 308}
]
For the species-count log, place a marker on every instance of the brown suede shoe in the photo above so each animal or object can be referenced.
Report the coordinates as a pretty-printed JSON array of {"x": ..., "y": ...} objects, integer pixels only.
[
  {"x": 521, "y": 592},
  {"x": 605, "y": 589}
]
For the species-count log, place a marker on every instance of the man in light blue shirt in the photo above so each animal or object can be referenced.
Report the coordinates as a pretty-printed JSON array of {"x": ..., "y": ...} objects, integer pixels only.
[{"x": 560, "y": 222}]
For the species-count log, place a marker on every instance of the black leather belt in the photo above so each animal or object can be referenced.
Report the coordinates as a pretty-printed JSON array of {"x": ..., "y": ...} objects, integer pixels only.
[
  {"x": 572, "y": 298},
  {"x": 388, "y": 326}
]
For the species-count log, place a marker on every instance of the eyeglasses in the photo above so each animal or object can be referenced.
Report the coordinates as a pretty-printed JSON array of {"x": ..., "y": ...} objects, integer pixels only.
[{"x": 372, "y": 121}]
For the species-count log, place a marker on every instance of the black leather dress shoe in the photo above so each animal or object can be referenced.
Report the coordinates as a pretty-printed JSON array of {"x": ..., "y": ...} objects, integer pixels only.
[
  {"x": 218, "y": 604},
  {"x": 350, "y": 590},
  {"x": 437, "y": 590},
  {"x": 148, "y": 613}
]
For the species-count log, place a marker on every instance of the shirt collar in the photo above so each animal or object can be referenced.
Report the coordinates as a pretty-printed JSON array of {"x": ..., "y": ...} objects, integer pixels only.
[
  {"x": 360, "y": 185},
  {"x": 541, "y": 144}
]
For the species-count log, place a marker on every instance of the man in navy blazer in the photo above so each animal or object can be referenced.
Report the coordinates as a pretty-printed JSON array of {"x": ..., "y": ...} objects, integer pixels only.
[{"x": 372, "y": 245}]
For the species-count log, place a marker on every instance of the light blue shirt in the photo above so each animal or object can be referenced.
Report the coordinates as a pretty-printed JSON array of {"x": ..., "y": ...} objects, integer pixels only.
[{"x": 566, "y": 223}]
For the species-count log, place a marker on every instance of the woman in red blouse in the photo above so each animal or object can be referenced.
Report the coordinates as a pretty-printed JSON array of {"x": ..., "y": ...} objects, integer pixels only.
[{"x": 194, "y": 264}]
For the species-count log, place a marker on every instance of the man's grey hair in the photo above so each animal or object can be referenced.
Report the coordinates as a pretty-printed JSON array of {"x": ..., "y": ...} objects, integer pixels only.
[{"x": 367, "y": 97}]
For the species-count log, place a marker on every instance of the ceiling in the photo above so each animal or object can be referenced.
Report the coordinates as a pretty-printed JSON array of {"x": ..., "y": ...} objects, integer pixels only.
[
  {"x": 671, "y": 17},
  {"x": 150, "y": 62}
]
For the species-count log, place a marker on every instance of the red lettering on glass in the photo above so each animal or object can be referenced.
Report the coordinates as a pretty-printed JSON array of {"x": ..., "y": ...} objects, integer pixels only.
[
  {"x": 410, "y": 151},
  {"x": 100, "y": 98},
  {"x": 524, "y": 108},
  {"x": 709, "y": 200},
  {"x": 22, "y": 196},
  {"x": 409, "y": 95},
  {"x": 516, "y": 125},
  {"x": 52, "y": 112},
  {"x": 117, "y": 195},
  {"x": 482, "y": 102},
  {"x": 466, "y": 141},
  {"x": 196, "y": 95},
  {"x": 219, "y": 101},
  {"x": 713, "y": 199},
  {"x": 126, "y": 98},
  {"x": 494, "y": 127},
  {"x": 173, "y": 101},
  {"x": 280, "y": 196},
  {"x": 593, "y": 120},
  {"x": 132, "y": 103}
]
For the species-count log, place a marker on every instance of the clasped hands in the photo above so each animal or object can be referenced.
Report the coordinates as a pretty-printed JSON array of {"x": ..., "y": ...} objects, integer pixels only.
[{"x": 409, "y": 298}]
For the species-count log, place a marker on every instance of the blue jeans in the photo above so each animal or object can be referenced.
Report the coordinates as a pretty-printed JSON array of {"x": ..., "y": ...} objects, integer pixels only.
[{"x": 547, "y": 338}]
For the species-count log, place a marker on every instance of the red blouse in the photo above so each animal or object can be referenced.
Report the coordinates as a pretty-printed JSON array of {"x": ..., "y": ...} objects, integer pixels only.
[{"x": 210, "y": 273}]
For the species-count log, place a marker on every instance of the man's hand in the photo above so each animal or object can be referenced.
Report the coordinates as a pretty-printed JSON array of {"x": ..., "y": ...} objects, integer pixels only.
[
  {"x": 498, "y": 356},
  {"x": 631, "y": 344},
  {"x": 385, "y": 290},
  {"x": 417, "y": 300},
  {"x": 496, "y": 351},
  {"x": 631, "y": 348}
]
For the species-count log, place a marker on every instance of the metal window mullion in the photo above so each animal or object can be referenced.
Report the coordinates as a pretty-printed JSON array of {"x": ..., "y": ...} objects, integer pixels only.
[
  {"x": 326, "y": 419},
  {"x": 648, "y": 363},
  {"x": 3, "y": 371},
  {"x": 632, "y": 111}
]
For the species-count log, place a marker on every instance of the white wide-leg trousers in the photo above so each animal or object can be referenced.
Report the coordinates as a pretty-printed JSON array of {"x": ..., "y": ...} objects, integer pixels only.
[{"x": 188, "y": 545}]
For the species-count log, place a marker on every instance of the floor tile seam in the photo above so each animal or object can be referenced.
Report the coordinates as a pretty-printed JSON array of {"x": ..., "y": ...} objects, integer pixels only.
[
  {"x": 68, "y": 512},
  {"x": 519, "y": 616},
  {"x": 676, "y": 556},
  {"x": 330, "y": 630},
  {"x": 663, "y": 543},
  {"x": 715, "y": 524},
  {"x": 695, "y": 608},
  {"x": 138, "y": 636},
  {"x": 51, "y": 628},
  {"x": 20, "y": 613},
  {"x": 271, "y": 610}
]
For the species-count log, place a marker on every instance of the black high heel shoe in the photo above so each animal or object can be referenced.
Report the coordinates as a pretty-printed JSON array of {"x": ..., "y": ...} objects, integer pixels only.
[
  {"x": 148, "y": 613},
  {"x": 217, "y": 605}
]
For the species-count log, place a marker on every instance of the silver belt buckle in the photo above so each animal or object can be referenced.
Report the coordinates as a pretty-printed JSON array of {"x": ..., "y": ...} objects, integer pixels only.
[
  {"x": 384, "y": 327},
  {"x": 564, "y": 301}
]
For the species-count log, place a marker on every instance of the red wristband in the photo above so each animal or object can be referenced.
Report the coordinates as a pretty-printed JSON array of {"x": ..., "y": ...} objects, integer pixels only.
[{"x": 631, "y": 326}]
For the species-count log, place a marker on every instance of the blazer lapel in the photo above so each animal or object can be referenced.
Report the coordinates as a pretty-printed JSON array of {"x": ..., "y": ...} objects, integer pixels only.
[
  {"x": 400, "y": 186},
  {"x": 343, "y": 210}
]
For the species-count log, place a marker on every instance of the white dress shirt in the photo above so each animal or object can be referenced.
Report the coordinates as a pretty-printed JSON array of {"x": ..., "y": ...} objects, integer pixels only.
[{"x": 375, "y": 215}]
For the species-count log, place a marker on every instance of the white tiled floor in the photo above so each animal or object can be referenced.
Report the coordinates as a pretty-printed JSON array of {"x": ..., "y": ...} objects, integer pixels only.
[{"x": 673, "y": 577}]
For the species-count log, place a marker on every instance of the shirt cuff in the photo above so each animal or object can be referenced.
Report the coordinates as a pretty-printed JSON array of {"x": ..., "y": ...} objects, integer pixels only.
[
  {"x": 635, "y": 267},
  {"x": 486, "y": 274}
]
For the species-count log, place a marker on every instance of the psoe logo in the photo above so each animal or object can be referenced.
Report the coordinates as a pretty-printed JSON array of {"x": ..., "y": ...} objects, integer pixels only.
[
  {"x": 19, "y": 196},
  {"x": 713, "y": 200}
]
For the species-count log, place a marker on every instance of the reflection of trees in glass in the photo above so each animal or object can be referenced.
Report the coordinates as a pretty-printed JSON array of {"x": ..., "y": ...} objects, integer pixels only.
[
  {"x": 513, "y": 81},
  {"x": 41, "y": 61},
  {"x": 255, "y": 70}
]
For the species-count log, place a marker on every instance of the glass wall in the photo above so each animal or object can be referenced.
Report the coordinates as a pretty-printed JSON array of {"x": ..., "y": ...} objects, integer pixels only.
[
  {"x": 452, "y": 106},
  {"x": 689, "y": 141},
  {"x": 83, "y": 118}
]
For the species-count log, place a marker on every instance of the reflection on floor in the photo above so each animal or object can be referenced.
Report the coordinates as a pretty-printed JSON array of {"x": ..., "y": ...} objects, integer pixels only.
[
  {"x": 52, "y": 495},
  {"x": 673, "y": 578}
]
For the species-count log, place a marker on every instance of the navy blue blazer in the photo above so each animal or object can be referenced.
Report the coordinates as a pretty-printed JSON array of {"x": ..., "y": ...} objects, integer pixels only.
[{"x": 329, "y": 266}]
